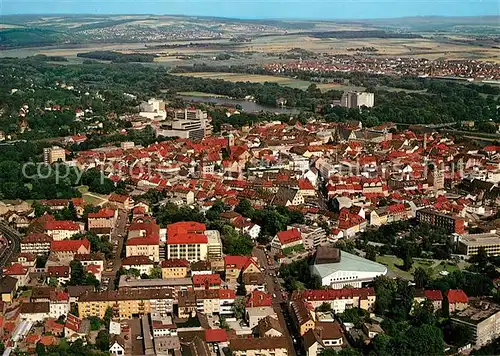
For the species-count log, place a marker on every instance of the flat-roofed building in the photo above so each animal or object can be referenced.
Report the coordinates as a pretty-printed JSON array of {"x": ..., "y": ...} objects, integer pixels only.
[
  {"x": 470, "y": 244},
  {"x": 451, "y": 223},
  {"x": 482, "y": 317},
  {"x": 126, "y": 303},
  {"x": 338, "y": 269}
]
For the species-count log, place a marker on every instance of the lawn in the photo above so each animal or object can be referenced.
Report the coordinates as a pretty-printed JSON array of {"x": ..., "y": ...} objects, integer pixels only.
[
  {"x": 432, "y": 266},
  {"x": 256, "y": 78},
  {"x": 92, "y": 198}
]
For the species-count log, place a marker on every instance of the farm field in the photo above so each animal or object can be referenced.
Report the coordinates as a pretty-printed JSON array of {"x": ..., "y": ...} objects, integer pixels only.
[{"x": 255, "y": 78}]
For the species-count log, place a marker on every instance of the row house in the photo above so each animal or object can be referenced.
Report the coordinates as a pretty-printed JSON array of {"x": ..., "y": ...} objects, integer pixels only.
[
  {"x": 389, "y": 214},
  {"x": 126, "y": 304},
  {"x": 339, "y": 299}
]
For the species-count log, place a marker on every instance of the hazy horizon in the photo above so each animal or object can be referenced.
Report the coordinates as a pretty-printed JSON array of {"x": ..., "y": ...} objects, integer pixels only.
[{"x": 258, "y": 9}]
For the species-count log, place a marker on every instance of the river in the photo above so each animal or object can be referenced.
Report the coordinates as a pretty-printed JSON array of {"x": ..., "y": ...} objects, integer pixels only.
[{"x": 248, "y": 106}]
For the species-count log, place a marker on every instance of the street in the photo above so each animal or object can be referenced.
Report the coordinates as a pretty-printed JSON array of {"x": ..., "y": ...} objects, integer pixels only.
[
  {"x": 14, "y": 243},
  {"x": 273, "y": 286},
  {"x": 117, "y": 235}
]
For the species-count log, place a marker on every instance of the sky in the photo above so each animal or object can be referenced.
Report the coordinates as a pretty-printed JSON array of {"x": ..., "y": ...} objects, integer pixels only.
[{"x": 259, "y": 9}]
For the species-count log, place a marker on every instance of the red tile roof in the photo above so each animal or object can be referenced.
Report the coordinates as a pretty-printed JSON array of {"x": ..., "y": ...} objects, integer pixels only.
[
  {"x": 69, "y": 245},
  {"x": 289, "y": 236},
  {"x": 189, "y": 232},
  {"x": 206, "y": 279},
  {"x": 433, "y": 294},
  {"x": 73, "y": 323},
  {"x": 227, "y": 294},
  {"x": 235, "y": 261},
  {"x": 15, "y": 269},
  {"x": 62, "y": 225},
  {"x": 102, "y": 214},
  {"x": 152, "y": 234},
  {"x": 332, "y": 294},
  {"x": 215, "y": 335},
  {"x": 457, "y": 296},
  {"x": 58, "y": 271},
  {"x": 259, "y": 299}
]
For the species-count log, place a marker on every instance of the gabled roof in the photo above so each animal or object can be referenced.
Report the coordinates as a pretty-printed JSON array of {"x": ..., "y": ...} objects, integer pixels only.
[
  {"x": 69, "y": 245},
  {"x": 289, "y": 236},
  {"x": 457, "y": 296},
  {"x": 431, "y": 294}
]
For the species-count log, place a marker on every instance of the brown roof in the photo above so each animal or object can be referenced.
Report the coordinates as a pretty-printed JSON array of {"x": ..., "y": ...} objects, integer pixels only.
[
  {"x": 76, "y": 291},
  {"x": 254, "y": 278},
  {"x": 137, "y": 260},
  {"x": 301, "y": 312},
  {"x": 326, "y": 254},
  {"x": 41, "y": 292},
  {"x": 328, "y": 330},
  {"x": 311, "y": 337},
  {"x": 32, "y": 308},
  {"x": 261, "y": 343},
  {"x": 269, "y": 323}
]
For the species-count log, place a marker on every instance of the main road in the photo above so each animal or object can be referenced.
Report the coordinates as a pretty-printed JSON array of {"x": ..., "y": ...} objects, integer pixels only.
[
  {"x": 280, "y": 304},
  {"x": 117, "y": 237},
  {"x": 13, "y": 243}
]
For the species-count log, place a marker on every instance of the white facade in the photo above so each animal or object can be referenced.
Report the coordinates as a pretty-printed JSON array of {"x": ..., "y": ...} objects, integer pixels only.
[{"x": 58, "y": 308}]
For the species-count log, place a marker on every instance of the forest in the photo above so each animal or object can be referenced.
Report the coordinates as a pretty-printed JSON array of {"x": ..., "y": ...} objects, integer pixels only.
[{"x": 34, "y": 82}]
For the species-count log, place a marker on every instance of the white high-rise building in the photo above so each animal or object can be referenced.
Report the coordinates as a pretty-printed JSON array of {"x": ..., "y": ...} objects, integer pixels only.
[{"x": 353, "y": 99}]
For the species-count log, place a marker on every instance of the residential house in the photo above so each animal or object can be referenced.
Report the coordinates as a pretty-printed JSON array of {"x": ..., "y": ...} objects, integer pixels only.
[
  {"x": 302, "y": 315},
  {"x": 19, "y": 272},
  {"x": 262, "y": 346},
  {"x": 102, "y": 222},
  {"x": 117, "y": 346},
  {"x": 144, "y": 240},
  {"x": 258, "y": 306},
  {"x": 60, "y": 273},
  {"x": 269, "y": 327},
  {"x": 76, "y": 328},
  {"x": 141, "y": 263},
  {"x": 58, "y": 304},
  {"x": 61, "y": 230},
  {"x": 457, "y": 300},
  {"x": 286, "y": 241},
  {"x": 35, "y": 312},
  {"x": 67, "y": 249},
  {"x": 206, "y": 281},
  {"x": 8, "y": 287},
  {"x": 174, "y": 268},
  {"x": 121, "y": 202}
]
